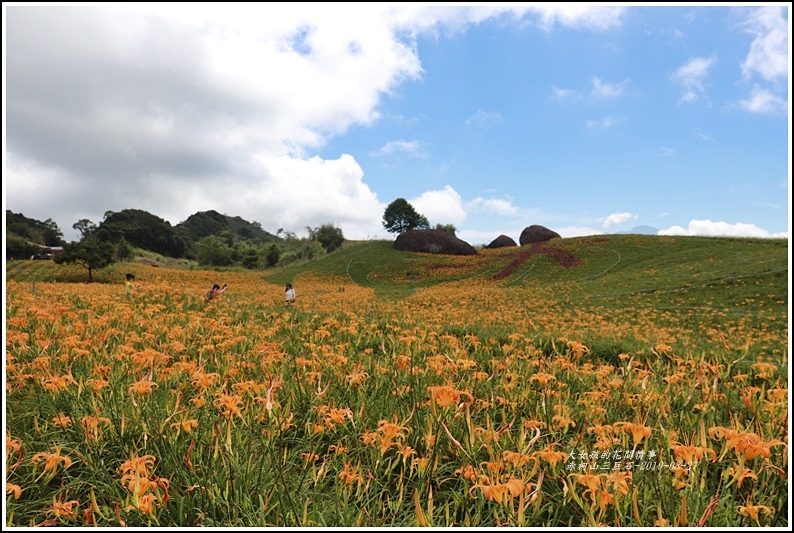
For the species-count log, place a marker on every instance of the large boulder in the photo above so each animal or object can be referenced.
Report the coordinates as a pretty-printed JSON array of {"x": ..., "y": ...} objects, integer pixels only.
[
  {"x": 537, "y": 233},
  {"x": 432, "y": 241},
  {"x": 502, "y": 241}
]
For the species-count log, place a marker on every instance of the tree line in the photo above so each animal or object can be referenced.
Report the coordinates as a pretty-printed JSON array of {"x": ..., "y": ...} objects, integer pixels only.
[{"x": 209, "y": 238}]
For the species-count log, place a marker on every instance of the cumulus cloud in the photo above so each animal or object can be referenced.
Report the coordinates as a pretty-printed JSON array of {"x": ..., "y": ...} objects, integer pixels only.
[
  {"x": 606, "y": 90},
  {"x": 692, "y": 77},
  {"x": 615, "y": 219},
  {"x": 721, "y": 229},
  {"x": 215, "y": 107},
  {"x": 765, "y": 102},
  {"x": 561, "y": 94},
  {"x": 483, "y": 120},
  {"x": 606, "y": 122},
  {"x": 578, "y": 231},
  {"x": 444, "y": 206},
  {"x": 579, "y": 15},
  {"x": 414, "y": 148},
  {"x": 174, "y": 110},
  {"x": 769, "y": 52},
  {"x": 497, "y": 206}
]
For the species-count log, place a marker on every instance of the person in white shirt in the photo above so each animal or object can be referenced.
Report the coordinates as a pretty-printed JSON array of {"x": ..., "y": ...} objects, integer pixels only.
[{"x": 289, "y": 294}]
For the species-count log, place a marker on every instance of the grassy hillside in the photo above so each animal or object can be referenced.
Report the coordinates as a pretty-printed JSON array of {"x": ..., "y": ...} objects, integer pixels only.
[{"x": 615, "y": 270}]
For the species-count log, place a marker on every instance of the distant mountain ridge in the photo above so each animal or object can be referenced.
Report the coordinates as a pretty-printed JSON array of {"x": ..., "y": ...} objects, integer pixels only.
[{"x": 641, "y": 230}]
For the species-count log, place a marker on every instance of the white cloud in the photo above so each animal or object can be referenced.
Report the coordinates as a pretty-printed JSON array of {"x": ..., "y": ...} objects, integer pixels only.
[
  {"x": 721, "y": 229},
  {"x": 604, "y": 123},
  {"x": 606, "y": 90},
  {"x": 219, "y": 106},
  {"x": 409, "y": 147},
  {"x": 483, "y": 120},
  {"x": 578, "y": 231},
  {"x": 578, "y": 16},
  {"x": 769, "y": 52},
  {"x": 692, "y": 76},
  {"x": 496, "y": 206},
  {"x": 764, "y": 101},
  {"x": 440, "y": 207},
  {"x": 560, "y": 94},
  {"x": 616, "y": 218},
  {"x": 704, "y": 136}
]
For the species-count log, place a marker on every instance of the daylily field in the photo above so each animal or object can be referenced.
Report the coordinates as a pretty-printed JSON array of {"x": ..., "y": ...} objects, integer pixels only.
[{"x": 632, "y": 381}]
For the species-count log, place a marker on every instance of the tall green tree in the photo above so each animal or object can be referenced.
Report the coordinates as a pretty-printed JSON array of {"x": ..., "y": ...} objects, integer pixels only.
[
  {"x": 273, "y": 254},
  {"x": 90, "y": 253},
  {"x": 123, "y": 250},
  {"x": 400, "y": 216},
  {"x": 85, "y": 227},
  {"x": 213, "y": 251},
  {"x": 328, "y": 235}
]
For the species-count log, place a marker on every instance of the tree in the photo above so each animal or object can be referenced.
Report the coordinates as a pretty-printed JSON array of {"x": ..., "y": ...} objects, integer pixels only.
[
  {"x": 124, "y": 250},
  {"x": 52, "y": 233},
  {"x": 85, "y": 227},
  {"x": 249, "y": 256},
  {"x": 273, "y": 254},
  {"x": 213, "y": 251},
  {"x": 449, "y": 228},
  {"x": 142, "y": 230},
  {"x": 20, "y": 248},
  {"x": 328, "y": 235},
  {"x": 90, "y": 253},
  {"x": 44, "y": 233},
  {"x": 400, "y": 216}
]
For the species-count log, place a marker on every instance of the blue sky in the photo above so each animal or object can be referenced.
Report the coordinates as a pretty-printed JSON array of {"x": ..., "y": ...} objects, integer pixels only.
[{"x": 586, "y": 119}]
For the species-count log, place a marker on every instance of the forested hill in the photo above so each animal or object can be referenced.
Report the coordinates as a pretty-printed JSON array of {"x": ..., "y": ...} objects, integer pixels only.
[{"x": 138, "y": 228}]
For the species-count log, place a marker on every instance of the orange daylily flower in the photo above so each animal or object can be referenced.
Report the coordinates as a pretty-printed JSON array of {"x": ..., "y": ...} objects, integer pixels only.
[
  {"x": 203, "y": 381},
  {"x": 754, "y": 510},
  {"x": 563, "y": 422},
  {"x": 143, "y": 386},
  {"x": 91, "y": 426},
  {"x": 446, "y": 396},
  {"x": 516, "y": 459},
  {"x": 552, "y": 457},
  {"x": 186, "y": 424},
  {"x": 62, "y": 420},
  {"x": 619, "y": 481},
  {"x": 741, "y": 476},
  {"x": 750, "y": 445},
  {"x": 59, "y": 383},
  {"x": 64, "y": 508},
  {"x": 499, "y": 492},
  {"x": 691, "y": 454},
  {"x": 138, "y": 465},
  {"x": 51, "y": 460},
  {"x": 14, "y": 489},
  {"x": 542, "y": 378},
  {"x": 338, "y": 416},
  {"x": 229, "y": 405},
  {"x": 349, "y": 477},
  {"x": 97, "y": 384},
  {"x": 638, "y": 431}
]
